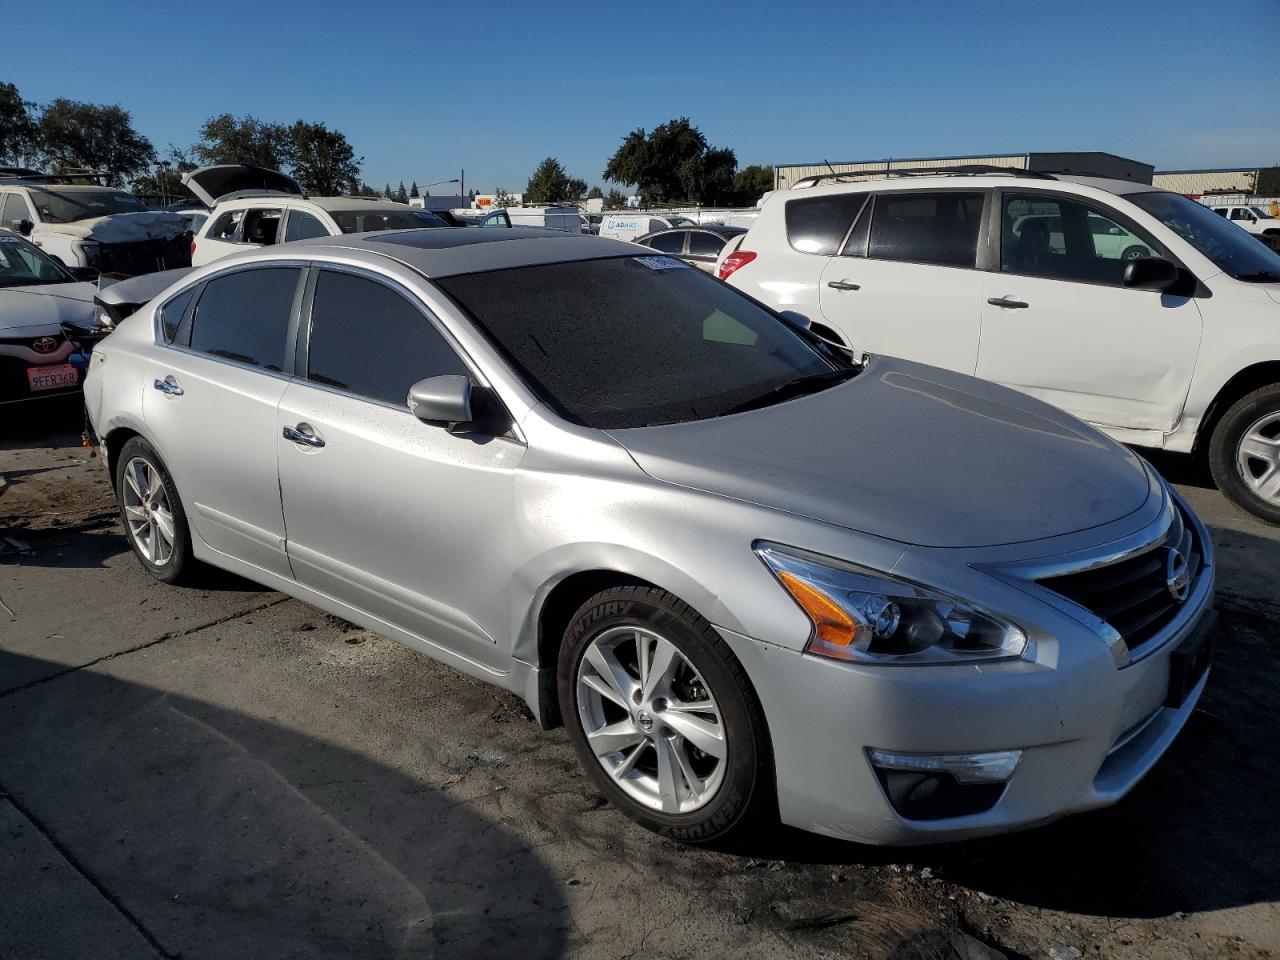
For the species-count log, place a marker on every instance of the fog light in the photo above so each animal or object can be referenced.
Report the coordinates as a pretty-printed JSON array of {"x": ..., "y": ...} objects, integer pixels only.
[
  {"x": 936, "y": 787},
  {"x": 995, "y": 767}
]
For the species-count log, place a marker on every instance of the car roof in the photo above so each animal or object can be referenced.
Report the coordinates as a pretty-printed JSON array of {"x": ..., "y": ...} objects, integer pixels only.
[
  {"x": 354, "y": 203},
  {"x": 983, "y": 181},
  {"x": 450, "y": 251}
]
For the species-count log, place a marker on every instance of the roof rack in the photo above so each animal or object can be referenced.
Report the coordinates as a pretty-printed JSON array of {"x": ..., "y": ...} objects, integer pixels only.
[
  {"x": 25, "y": 175},
  {"x": 961, "y": 170}
]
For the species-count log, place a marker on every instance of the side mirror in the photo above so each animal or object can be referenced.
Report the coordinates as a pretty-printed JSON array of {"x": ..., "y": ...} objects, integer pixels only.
[
  {"x": 87, "y": 274},
  {"x": 442, "y": 400},
  {"x": 797, "y": 320},
  {"x": 24, "y": 226},
  {"x": 1151, "y": 273}
]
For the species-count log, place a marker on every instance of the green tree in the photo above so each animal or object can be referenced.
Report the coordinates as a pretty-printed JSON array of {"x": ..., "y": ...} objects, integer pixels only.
[
  {"x": 322, "y": 160},
  {"x": 595, "y": 193},
  {"x": 751, "y": 183},
  {"x": 502, "y": 199},
  {"x": 549, "y": 183},
  {"x": 75, "y": 135},
  {"x": 17, "y": 126},
  {"x": 616, "y": 200},
  {"x": 413, "y": 190},
  {"x": 228, "y": 139},
  {"x": 575, "y": 190},
  {"x": 401, "y": 193},
  {"x": 673, "y": 163},
  {"x": 387, "y": 193},
  {"x": 163, "y": 183}
]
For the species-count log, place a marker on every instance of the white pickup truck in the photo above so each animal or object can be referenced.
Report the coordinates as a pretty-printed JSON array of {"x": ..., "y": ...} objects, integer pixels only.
[
  {"x": 88, "y": 225},
  {"x": 1251, "y": 217}
]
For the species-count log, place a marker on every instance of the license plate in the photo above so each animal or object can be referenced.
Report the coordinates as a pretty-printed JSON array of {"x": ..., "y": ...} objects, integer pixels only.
[
  {"x": 52, "y": 377},
  {"x": 1190, "y": 659}
]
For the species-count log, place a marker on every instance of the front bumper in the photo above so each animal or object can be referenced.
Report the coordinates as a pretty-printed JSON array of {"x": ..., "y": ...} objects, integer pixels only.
[{"x": 1088, "y": 729}]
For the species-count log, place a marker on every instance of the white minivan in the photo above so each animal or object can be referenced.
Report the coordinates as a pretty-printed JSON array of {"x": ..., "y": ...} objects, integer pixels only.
[{"x": 1138, "y": 310}]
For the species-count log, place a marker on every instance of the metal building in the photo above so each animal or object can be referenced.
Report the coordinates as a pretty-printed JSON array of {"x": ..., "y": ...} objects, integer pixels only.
[{"x": 1241, "y": 180}]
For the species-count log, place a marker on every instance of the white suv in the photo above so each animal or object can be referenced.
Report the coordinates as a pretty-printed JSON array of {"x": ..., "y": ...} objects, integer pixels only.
[
  {"x": 253, "y": 207},
  {"x": 1138, "y": 310},
  {"x": 1252, "y": 218}
]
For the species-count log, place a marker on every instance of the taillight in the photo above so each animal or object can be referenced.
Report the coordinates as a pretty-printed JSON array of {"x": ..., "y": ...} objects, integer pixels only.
[
  {"x": 735, "y": 261},
  {"x": 193, "y": 246}
]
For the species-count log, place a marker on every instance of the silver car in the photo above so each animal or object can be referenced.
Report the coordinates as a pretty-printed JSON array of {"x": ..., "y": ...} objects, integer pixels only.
[{"x": 883, "y": 602}]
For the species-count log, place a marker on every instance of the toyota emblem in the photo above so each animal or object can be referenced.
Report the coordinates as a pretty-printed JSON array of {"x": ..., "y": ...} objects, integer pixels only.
[
  {"x": 44, "y": 345},
  {"x": 1177, "y": 575}
]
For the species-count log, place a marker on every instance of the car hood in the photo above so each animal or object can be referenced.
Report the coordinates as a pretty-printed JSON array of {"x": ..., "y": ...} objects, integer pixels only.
[
  {"x": 49, "y": 305},
  {"x": 221, "y": 181},
  {"x": 1273, "y": 291},
  {"x": 907, "y": 452},
  {"x": 123, "y": 227}
]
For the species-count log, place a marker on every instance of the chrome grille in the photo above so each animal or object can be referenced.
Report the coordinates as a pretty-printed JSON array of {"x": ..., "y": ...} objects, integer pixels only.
[{"x": 1133, "y": 595}]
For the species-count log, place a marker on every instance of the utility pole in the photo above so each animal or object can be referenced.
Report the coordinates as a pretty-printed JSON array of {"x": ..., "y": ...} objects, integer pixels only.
[{"x": 462, "y": 187}]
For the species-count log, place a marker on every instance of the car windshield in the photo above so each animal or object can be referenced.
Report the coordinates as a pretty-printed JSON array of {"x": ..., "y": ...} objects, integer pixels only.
[
  {"x": 681, "y": 222},
  {"x": 1237, "y": 253},
  {"x": 637, "y": 341},
  {"x": 363, "y": 221},
  {"x": 58, "y": 206},
  {"x": 1260, "y": 213},
  {"x": 22, "y": 265}
]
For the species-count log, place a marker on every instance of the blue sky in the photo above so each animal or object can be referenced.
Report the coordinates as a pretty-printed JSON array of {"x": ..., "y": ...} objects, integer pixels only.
[{"x": 423, "y": 89}]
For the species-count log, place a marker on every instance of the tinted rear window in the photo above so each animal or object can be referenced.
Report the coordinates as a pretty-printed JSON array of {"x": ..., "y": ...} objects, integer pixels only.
[
  {"x": 818, "y": 224},
  {"x": 633, "y": 341},
  {"x": 926, "y": 227}
]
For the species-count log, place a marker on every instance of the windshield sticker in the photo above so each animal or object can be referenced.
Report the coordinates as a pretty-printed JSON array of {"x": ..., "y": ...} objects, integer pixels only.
[{"x": 662, "y": 263}]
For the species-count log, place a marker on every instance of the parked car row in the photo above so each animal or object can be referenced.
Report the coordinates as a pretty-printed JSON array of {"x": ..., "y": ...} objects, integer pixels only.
[
  {"x": 1137, "y": 310},
  {"x": 751, "y": 574}
]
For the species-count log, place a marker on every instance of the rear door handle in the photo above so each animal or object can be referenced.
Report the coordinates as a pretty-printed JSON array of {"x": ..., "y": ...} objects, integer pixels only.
[
  {"x": 304, "y": 435},
  {"x": 843, "y": 285},
  {"x": 168, "y": 385},
  {"x": 1008, "y": 303}
]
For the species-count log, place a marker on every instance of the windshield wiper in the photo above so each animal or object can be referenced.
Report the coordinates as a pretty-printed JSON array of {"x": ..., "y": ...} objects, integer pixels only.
[
  {"x": 1261, "y": 276},
  {"x": 812, "y": 383}
]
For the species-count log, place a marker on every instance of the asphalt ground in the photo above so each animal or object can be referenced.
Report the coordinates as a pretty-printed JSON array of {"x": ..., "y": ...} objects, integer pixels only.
[{"x": 220, "y": 771}]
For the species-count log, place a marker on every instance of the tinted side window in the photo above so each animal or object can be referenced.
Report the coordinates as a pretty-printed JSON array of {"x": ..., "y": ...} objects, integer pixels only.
[
  {"x": 171, "y": 313},
  {"x": 225, "y": 227},
  {"x": 668, "y": 242},
  {"x": 702, "y": 244},
  {"x": 1045, "y": 236},
  {"x": 14, "y": 209},
  {"x": 245, "y": 316},
  {"x": 370, "y": 340},
  {"x": 926, "y": 228},
  {"x": 302, "y": 226},
  {"x": 818, "y": 224}
]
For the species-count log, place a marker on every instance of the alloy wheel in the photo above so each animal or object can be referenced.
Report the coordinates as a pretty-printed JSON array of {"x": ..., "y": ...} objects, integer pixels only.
[
  {"x": 1258, "y": 458},
  {"x": 650, "y": 720},
  {"x": 148, "y": 511}
]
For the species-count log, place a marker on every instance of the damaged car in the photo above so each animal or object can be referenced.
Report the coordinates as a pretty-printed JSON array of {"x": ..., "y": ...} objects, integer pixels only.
[
  {"x": 254, "y": 207},
  {"x": 42, "y": 307},
  {"x": 81, "y": 223}
]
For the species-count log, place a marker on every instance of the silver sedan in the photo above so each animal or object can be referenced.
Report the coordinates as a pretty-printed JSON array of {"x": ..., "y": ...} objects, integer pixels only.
[{"x": 881, "y": 601}]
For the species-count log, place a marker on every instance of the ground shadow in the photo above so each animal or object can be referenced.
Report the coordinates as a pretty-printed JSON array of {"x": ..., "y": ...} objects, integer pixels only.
[
  {"x": 1187, "y": 469},
  {"x": 227, "y": 834}
]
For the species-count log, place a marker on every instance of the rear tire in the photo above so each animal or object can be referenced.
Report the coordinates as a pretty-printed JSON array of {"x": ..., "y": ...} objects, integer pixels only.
[
  {"x": 696, "y": 696},
  {"x": 151, "y": 510},
  {"x": 1244, "y": 454}
]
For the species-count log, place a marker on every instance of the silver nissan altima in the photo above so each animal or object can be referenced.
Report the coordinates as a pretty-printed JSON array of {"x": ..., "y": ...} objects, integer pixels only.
[{"x": 880, "y": 601}]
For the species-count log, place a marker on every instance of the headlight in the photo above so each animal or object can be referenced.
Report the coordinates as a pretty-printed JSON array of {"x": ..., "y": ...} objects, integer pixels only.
[
  {"x": 102, "y": 322},
  {"x": 868, "y": 617}
]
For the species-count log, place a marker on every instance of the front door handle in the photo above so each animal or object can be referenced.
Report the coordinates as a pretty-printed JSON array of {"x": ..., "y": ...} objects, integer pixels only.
[
  {"x": 168, "y": 385},
  {"x": 1008, "y": 303},
  {"x": 304, "y": 435},
  {"x": 843, "y": 285}
]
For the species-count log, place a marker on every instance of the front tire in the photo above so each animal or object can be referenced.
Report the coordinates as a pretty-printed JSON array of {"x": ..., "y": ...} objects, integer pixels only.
[
  {"x": 663, "y": 717},
  {"x": 1244, "y": 453},
  {"x": 154, "y": 520}
]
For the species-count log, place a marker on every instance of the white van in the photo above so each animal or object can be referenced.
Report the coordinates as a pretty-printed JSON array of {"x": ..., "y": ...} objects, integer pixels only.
[
  {"x": 629, "y": 226},
  {"x": 552, "y": 218}
]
